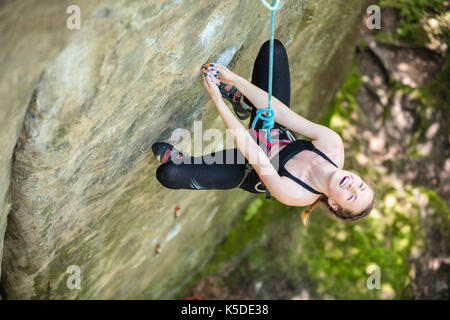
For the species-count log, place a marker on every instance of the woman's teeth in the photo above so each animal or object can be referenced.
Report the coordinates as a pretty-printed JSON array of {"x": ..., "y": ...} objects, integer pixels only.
[{"x": 344, "y": 181}]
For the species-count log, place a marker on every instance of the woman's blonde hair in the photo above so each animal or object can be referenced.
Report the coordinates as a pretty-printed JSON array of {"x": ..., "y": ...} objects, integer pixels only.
[
  {"x": 340, "y": 213},
  {"x": 305, "y": 213}
]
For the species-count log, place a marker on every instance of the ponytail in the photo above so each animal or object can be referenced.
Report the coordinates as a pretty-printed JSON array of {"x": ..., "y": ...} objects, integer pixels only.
[{"x": 305, "y": 213}]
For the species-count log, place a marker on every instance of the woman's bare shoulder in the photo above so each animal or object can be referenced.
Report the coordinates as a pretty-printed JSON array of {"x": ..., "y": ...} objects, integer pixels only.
[
  {"x": 333, "y": 147},
  {"x": 296, "y": 195}
]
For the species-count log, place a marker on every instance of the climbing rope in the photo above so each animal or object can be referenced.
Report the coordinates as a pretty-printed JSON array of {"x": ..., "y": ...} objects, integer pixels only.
[{"x": 269, "y": 112}]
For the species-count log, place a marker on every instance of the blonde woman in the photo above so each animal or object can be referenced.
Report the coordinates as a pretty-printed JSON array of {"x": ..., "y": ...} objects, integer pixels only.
[{"x": 295, "y": 172}]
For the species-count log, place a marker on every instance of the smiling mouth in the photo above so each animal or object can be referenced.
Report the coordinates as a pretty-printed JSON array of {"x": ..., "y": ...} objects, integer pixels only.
[{"x": 344, "y": 181}]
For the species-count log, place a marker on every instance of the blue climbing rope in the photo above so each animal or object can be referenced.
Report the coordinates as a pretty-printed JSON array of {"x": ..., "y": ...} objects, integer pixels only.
[{"x": 269, "y": 113}]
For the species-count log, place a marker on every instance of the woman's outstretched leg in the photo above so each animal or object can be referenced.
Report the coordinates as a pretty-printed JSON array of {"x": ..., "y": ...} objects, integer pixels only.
[
  {"x": 218, "y": 170},
  {"x": 281, "y": 81}
]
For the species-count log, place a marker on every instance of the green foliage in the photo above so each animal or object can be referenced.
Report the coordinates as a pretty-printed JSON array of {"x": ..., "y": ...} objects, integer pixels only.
[
  {"x": 438, "y": 93},
  {"x": 411, "y": 12},
  {"x": 338, "y": 254},
  {"x": 427, "y": 99},
  {"x": 245, "y": 239},
  {"x": 330, "y": 255},
  {"x": 439, "y": 211},
  {"x": 344, "y": 104},
  {"x": 246, "y": 232}
]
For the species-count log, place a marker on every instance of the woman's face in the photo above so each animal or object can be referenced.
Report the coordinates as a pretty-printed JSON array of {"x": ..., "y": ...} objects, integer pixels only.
[{"x": 349, "y": 191}]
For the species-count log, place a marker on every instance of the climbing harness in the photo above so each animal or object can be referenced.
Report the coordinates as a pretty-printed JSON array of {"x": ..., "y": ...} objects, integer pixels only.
[
  {"x": 269, "y": 113},
  {"x": 260, "y": 187}
]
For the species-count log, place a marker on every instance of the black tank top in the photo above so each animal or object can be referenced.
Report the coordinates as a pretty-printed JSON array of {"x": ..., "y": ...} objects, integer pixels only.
[{"x": 291, "y": 150}]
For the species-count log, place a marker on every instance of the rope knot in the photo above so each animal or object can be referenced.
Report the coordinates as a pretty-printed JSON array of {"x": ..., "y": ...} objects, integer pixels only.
[{"x": 268, "y": 121}]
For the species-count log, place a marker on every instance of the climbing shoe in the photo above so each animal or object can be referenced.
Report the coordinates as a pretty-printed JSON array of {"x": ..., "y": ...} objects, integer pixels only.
[
  {"x": 165, "y": 151},
  {"x": 236, "y": 98}
]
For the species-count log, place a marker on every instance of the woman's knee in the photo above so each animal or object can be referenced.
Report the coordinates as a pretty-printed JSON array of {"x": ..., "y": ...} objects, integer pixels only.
[{"x": 167, "y": 175}]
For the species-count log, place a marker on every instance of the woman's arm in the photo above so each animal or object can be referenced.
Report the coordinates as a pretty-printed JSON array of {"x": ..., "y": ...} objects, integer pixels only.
[
  {"x": 278, "y": 186},
  {"x": 284, "y": 115}
]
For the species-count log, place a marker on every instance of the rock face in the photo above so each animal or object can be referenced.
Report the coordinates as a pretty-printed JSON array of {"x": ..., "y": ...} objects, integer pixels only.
[{"x": 80, "y": 110}]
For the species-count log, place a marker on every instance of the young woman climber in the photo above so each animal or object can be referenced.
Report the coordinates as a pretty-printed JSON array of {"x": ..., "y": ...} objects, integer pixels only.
[{"x": 295, "y": 172}]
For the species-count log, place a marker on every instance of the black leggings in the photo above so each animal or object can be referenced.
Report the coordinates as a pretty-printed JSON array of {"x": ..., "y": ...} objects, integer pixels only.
[{"x": 199, "y": 172}]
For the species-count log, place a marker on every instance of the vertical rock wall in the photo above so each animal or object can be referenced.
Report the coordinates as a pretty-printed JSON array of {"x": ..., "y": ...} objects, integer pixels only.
[{"x": 84, "y": 106}]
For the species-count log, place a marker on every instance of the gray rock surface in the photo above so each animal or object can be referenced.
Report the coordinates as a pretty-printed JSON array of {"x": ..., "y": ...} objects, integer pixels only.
[{"x": 80, "y": 110}]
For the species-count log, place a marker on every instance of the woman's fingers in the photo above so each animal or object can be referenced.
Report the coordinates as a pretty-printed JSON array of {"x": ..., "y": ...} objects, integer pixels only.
[
  {"x": 208, "y": 81},
  {"x": 212, "y": 67},
  {"x": 221, "y": 69},
  {"x": 212, "y": 77},
  {"x": 212, "y": 89},
  {"x": 222, "y": 73}
]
